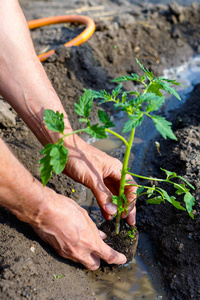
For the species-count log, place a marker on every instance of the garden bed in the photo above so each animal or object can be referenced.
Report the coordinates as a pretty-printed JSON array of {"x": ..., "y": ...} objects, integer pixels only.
[{"x": 160, "y": 37}]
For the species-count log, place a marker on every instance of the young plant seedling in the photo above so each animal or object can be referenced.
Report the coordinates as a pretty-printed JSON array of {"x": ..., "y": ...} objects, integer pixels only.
[{"x": 137, "y": 106}]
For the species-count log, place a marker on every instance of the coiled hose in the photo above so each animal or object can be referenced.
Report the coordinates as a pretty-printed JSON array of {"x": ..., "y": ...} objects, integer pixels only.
[{"x": 81, "y": 38}]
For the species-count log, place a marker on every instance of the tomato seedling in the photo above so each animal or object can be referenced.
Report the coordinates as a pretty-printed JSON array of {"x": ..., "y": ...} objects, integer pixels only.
[{"x": 137, "y": 105}]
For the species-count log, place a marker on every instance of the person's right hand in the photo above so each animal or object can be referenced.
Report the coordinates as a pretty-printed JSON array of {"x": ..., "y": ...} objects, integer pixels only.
[{"x": 72, "y": 233}]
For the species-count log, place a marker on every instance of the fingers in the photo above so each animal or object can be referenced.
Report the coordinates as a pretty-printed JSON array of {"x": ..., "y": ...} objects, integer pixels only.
[
  {"x": 104, "y": 198},
  {"x": 110, "y": 255},
  {"x": 131, "y": 219}
]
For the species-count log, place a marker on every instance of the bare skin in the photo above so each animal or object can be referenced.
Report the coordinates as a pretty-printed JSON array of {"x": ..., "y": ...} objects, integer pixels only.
[{"x": 26, "y": 87}]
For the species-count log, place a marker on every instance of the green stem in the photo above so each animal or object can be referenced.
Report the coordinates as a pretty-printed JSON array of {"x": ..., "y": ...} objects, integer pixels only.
[
  {"x": 156, "y": 179},
  {"x": 68, "y": 134},
  {"x": 123, "y": 178},
  {"x": 117, "y": 135},
  {"x": 144, "y": 177}
]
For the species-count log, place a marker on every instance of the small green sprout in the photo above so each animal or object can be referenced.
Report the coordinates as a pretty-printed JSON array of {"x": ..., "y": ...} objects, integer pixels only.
[
  {"x": 137, "y": 105},
  {"x": 132, "y": 232},
  {"x": 57, "y": 276}
]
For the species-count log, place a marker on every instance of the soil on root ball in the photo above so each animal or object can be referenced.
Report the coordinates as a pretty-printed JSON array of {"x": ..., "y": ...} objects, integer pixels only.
[{"x": 125, "y": 242}]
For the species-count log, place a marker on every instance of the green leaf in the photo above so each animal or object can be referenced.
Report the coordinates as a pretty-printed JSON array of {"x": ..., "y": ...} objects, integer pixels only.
[
  {"x": 155, "y": 103},
  {"x": 164, "y": 127},
  {"x": 155, "y": 87},
  {"x": 181, "y": 189},
  {"x": 59, "y": 156},
  {"x": 117, "y": 90},
  {"x": 115, "y": 199},
  {"x": 133, "y": 77},
  {"x": 54, "y": 121},
  {"x": 104, "y": 119},
  {"x": 167, "y": 87},
  {"x": 165, "y": 195},
  {"x": 124, "y": 198},
  {"x": 139, "y": 190},
  {"x": 96, "y": 131},
  {"x": 169, "y": 173},
  {"x": 46, "y": 169},
  {"x": 151, "y": 191},
  {"x": 84, "y": 106},
  {"x": 189, "y": 201},
  {"x": 55, "y": 159},
  {"x": 155, "y": 200},
  {"x": 176, "y": 204},
  {"x": 189, "y": 184},
  {"x": 173, "y": 81},
  {"x": 135, "y": 121},
  {"x": 149, "y": 74}
]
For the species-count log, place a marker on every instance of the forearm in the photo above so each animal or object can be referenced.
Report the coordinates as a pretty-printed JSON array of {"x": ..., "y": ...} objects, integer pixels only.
[
  {"x": 23, "y": 81},
  {"x": 20, "y": 192}
]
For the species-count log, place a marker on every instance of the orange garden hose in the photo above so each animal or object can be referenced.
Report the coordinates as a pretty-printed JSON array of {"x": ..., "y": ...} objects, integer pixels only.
[{"x": 81, "y": 38}]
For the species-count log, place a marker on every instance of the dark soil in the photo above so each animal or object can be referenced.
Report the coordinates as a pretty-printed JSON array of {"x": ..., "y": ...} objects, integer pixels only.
[
  {"x": 160, "y": 37},
  {"x": 125, "y": 242},
  {"x": 175, "y": 235}
]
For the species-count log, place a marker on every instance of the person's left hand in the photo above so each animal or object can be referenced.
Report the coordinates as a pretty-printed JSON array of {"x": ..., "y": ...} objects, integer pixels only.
[{"x": 101, "y": 173}]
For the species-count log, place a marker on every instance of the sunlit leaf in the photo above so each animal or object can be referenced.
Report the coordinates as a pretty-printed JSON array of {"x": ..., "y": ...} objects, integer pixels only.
[
  {"x": 54, "y": 121},
  {"x": 164, "y": 127}
]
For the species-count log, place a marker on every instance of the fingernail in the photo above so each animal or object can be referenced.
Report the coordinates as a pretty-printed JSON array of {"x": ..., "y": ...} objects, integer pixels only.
[
  {"x": 123, "y": 261},
  {"x": 111, "y": 208},
  {"x": 131, "y": 219},
  {"x": 102, "y": 234}
]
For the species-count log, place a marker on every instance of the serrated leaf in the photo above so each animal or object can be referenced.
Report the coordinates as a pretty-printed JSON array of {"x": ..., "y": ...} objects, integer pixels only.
[
  {"x": 149, "y": 74},
  {"x": 59, "y": 156},
  {"x": 117, "y": 90},
  {"x": 104, "y": 119},
  {"x": 155, "y": 89},
  {"x": 54, "y": 121},
  {"x": 55, "y": 159},
  {"x": 115, "y": 199},
  {"x": 133, "y": 77},
  {"x": 164, "y": 127},
  {"x": 166, "y": 196},
  {"x": 155, "y": 103},
  {"x": 167, "y": 87},
  {"x": 155, "y": 200},
  {"x": 177, "y": 204},
  {"x": 96, "y": 131},
  {"x": 189, "y": 201},
  {"x": 173, "y": 81},
  {"x": 134, "y": 121},
  {"x": 169, "y": 173},
  {"x": 84, "y": 106},
  {"x": 46, "y": 169},
  {"x": 139, "y": 190}
]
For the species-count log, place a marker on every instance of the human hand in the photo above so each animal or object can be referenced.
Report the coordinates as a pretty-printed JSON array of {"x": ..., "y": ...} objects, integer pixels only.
[
  {"x": 72, "y": 233},
  {"x": 101, "y": 173}
]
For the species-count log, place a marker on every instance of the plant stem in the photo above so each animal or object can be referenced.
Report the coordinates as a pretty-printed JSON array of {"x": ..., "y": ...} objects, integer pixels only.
[
  {"x": 117, "y": 135},
  {"x": 73, "y": 132},
  {"x": 123, "y": 178},
  {"x": 157, "y": 179},
  {"x": 144, "y": 177}
]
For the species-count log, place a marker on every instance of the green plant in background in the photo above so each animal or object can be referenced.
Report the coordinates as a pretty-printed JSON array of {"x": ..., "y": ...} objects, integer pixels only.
[{"x": 137, "y": 105}]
